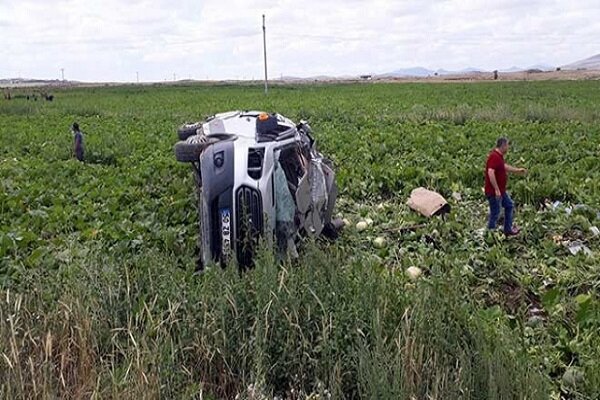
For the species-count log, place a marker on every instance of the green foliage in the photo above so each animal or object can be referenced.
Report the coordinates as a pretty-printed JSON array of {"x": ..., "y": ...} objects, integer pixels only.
[
  {"x": 139, "y": 327},
  {"x": 96, "y": 258}
]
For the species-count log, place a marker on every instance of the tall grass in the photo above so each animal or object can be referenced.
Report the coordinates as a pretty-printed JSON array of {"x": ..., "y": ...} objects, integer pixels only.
[{"x": 143, "y": 328}]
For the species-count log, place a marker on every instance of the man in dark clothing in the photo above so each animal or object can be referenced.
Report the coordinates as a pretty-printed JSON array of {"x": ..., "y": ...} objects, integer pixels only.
[
  {"x": 495, "y": 186},
  {"x": 78, "y": 141}
]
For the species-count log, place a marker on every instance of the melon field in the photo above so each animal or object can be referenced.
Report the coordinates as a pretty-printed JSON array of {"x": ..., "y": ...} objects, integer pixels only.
[{"x": 98, "y": 296}]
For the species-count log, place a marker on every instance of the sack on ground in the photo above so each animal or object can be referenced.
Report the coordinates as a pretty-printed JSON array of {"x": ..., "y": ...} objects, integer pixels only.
[{"x": 427, "y": 202}]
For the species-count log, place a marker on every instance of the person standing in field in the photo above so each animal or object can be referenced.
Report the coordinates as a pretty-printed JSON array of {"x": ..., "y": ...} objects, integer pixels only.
[
  {"x": 495, "y": 187},
  {"x": 77, "y": 141}
]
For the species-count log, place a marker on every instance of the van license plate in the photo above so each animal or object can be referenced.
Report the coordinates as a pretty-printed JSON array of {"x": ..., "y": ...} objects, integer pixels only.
[{"x": 226, "y": 231}]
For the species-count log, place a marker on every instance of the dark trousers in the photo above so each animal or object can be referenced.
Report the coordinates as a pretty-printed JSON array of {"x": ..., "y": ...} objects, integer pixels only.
[
  {"x": 506, "y": 202},
  {"x": 79, "y": 154}
]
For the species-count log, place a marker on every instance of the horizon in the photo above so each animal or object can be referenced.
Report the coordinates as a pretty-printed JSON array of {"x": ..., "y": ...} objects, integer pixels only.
[{"x": 463, "y": 71}]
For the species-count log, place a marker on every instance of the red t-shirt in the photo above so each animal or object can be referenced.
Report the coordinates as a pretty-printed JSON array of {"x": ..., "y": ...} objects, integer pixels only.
[{"x": 495, "y": 161}]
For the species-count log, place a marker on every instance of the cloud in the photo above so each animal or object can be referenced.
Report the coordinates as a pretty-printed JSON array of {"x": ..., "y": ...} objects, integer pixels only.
[{"x": 111, "y": 40}]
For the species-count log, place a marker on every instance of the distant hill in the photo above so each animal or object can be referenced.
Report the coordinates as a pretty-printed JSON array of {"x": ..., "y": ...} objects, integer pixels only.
[
  {"x": 541, "y": 67},
  {"x": 420, "y": 72},
  {"x": 535, "y": 67},
  {"x": 511, "y": 69},
  {"x": 469, "y": 70},
  {"x": 408, "y": 72},
  {"x": 592, "y": 63}
]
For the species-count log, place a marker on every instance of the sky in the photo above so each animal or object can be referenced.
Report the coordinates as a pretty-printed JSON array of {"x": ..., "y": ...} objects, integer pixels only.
[{"x": 158, "y": 40}]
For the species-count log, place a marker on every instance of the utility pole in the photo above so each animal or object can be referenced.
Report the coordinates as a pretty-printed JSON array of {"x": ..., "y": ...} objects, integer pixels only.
[
  {"x": 265, "y": 53},
  {"x": 174, "y": 77},
  {"x": 62, "y": 73},
  {"x": 137, "y": 77}
]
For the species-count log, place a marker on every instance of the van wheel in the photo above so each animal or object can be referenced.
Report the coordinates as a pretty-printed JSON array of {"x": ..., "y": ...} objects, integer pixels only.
[
  {"x": 187, "y": 130},
  {"x": 190, "y": 150}
]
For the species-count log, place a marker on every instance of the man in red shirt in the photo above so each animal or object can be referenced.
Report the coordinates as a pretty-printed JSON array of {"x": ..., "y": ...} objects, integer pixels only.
[{"x": 495, "y": 186}]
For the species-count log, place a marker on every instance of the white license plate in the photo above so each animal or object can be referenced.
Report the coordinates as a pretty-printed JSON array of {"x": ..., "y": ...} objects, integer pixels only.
[{"x": 226, "y": 231}]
